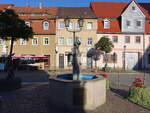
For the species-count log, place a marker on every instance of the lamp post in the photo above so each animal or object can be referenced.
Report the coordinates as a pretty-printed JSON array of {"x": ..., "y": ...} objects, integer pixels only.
[
  {"x": 124, "y": 57},
  {"x": 76, "y": 44}
]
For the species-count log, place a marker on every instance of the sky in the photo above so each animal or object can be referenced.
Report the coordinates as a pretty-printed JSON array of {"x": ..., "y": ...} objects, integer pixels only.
[{"x": 63, "y": 3}]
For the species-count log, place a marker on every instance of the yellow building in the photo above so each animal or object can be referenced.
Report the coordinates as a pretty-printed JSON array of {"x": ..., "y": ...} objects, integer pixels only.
[{"x": 42, "y": 21}]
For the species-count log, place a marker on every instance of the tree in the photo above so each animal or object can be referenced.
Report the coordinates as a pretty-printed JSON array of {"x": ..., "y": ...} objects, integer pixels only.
[
  {"x": 13, "y": 28},
  {"x": 104, "y": 44},
  {"x": 95, "y": 54}
]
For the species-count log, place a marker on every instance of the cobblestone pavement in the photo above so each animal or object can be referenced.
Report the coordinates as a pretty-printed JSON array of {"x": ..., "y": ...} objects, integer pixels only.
[{"x": 34, "y": 99}]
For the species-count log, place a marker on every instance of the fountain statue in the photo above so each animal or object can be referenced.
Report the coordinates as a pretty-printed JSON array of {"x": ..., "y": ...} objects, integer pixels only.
[{"x": 77, "y": 91}]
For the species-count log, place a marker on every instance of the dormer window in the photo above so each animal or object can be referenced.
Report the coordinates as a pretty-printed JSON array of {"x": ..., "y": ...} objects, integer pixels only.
[
  {"x": 28, "y": 24},
  {"x": 106, "y": 24},
  {"x": 45, "y": 25}
]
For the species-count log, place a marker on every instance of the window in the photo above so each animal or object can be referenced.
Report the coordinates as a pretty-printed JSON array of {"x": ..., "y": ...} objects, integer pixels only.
[
  {"x": 106, "y": 24},
  {"x": 115, "y": 39},
  {"x": 138, "y": 23},
  {"x": 46, "y": 41},
  {"x": 133, "y": 8},
  {"x": 110, "y": 58},
  {"x": 69, "y": 59},
  {"x": 89, "y": 25},
  {"x": 128, "y": 23},
  {"x": 71, "y": 25},
  {"x": 127, "y": 39},
  {"x": 34, "y": 41},
  {"x": 28, "y": 24},
  {"x": 90, "y": 41},
  {"x": 61, "y": 25},
  {"x": 148, "y": 58},
  {"x": 70, "y": 41},
  {"x": 77, "y": 25},
  {"x": 23, "y": 42},
  {"x": 137, "y": 39},
  {"x": 45, "y": 25},
  {"x": 1, "y": 41},
  {"x": 61, "y": 41}
]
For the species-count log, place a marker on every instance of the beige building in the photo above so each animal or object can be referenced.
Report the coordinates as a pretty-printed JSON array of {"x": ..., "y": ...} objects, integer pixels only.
[{"x": 64, "y": 38}]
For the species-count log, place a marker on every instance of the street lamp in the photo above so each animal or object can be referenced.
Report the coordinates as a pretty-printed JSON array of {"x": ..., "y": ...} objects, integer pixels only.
[{"x": 76, "y": 44}]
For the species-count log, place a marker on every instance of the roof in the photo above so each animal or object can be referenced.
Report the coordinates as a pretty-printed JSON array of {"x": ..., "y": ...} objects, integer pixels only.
[
  {"x": 35, "y": 10},
  {"x": 75, "y": 12},
  {"x": 3, "y": 6},
  {"x": 114, "y": 10}
]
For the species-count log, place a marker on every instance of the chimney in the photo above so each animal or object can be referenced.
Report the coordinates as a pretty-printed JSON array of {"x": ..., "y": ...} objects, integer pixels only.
[{"x": 40, "y": 5}]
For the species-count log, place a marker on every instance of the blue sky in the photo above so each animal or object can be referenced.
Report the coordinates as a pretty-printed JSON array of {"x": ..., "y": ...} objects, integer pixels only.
[{"x": 65, "y": 3}]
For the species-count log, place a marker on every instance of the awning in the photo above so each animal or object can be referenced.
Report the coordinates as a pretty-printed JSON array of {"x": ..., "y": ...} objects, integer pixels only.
[{"x": 28, "y": 56}]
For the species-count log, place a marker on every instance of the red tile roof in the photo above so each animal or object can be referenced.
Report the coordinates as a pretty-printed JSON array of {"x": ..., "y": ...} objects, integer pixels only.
[
  {"x": 37, "y": 21},
  {"x": 108, "y": 9},
  {"x": 38, "y": 27},
  {"x": 36, "y": 10},
  {"x": 111, "y": 9},
  {"x": 3, "y": 6},
  {"x": 114, "y": 26}
]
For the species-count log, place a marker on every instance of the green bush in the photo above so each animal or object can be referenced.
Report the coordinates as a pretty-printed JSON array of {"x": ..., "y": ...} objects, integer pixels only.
[
  {"x": 139, "y": 95},
  {"x": 10, "y": 84}
]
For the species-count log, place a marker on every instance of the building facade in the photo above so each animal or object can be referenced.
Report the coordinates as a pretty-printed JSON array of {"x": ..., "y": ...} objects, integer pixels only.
[
  {"x": 64, "y": 38},
  {"x": 126, "y": 24}
]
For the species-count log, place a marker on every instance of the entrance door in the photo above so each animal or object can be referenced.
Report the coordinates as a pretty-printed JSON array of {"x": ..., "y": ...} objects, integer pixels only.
[
  {"x": 131, "y": 61},
  {"x": 61, "y": 60},
  {"x": 89, "y": 62},
  {"x": 47, "y": 62}
]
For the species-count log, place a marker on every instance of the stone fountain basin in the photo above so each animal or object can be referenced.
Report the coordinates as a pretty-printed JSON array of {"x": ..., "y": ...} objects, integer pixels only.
[{"x": 88, "y": 93}]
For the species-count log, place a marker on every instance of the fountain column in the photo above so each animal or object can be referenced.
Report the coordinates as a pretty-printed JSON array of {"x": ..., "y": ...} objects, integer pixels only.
[{"x": 76, "y": 44}]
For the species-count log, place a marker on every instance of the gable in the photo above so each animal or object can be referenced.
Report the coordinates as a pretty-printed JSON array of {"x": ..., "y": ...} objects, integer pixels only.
[{"x": 133, "y": 9}]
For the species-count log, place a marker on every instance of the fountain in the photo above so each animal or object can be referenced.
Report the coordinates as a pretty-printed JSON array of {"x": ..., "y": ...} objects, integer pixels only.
[{"x": 77, "y": 91}]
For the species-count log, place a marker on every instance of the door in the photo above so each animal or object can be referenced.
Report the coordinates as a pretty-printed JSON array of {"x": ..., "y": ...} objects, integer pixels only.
[
  {"x": 131, "y": 61},
  {"x": 61, "y": 60},
  {"x": 47, "y": 62}
]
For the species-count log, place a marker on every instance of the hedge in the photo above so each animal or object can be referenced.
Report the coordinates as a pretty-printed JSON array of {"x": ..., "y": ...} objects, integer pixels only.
[{"x": 139, "y": 95}]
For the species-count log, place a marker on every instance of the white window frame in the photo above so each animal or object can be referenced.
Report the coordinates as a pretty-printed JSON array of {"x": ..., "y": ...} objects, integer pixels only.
[
  {"x": 45, "y": 27},
  {"x": 89, "y": 25},
  {"x": 70, "y": 41},
  {"x": 106, "y": 24},
  {"x": 61, "y": 25},
  {"x": 71, "y": 25},
  {"x": 76, "y": 24},
  {"x": 28, "y": 23},
  {"x": 44, "y": 41},
  {"x": 23, "y": 40},
  {"x": 33, "y": 41},
  {"x": 61, "y": 41},
  {"x": 90, "y": 41}
]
